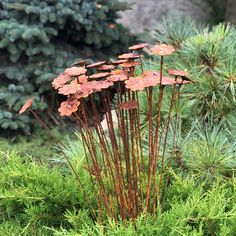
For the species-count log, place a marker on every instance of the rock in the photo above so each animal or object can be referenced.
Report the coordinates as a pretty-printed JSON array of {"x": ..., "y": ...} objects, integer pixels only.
[
  {"x": 145, "y": 14},
  {"x": 104, "y": 123}
]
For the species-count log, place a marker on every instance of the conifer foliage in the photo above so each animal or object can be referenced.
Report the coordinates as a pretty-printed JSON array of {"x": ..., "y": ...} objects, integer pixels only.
[{"x": 39, "y": 38}]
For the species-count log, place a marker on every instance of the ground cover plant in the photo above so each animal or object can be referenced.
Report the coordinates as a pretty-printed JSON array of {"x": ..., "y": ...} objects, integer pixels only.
[{"x": 42, "y": 201}]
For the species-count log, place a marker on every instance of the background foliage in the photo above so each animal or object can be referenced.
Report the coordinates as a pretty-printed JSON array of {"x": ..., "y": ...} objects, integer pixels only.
[{"x": 38, "y": 39}]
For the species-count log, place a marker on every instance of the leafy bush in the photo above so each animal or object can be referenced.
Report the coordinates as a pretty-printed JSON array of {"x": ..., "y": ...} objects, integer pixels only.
[
  {"x": 33, "y": 195},
  {"x": 40, "y": 38}
]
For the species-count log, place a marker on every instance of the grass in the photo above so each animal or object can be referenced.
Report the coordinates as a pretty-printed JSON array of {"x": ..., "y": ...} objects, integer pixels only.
[{"x": 38, "y": 145}]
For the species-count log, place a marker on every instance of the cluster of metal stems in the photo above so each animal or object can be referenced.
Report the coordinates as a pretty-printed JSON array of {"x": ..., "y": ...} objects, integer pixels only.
[{"x": 126, "y": 180}]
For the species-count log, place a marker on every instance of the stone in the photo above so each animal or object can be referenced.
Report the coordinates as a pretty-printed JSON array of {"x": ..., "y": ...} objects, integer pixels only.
[{"x": 145, "y": 14}]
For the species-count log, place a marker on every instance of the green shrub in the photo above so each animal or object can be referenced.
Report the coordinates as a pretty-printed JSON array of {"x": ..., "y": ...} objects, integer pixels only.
[
  {"x": 208, "y": 55},
  {"x": 38, "y": 39},
  {"x": 175, "y": 31},
  {"x": 190, "y": 210},
  {"x": 32, "y": 196},
  {"x": 209, "y": 151},
  {"x": 210, "y": 60}
]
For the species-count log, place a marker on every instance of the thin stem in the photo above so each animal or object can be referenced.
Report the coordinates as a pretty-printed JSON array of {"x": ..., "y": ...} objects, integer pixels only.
[
  {"x": 173, "y": 144},
  {"x": 165, "y": 140},
  {"x": 39, "y": 120}
]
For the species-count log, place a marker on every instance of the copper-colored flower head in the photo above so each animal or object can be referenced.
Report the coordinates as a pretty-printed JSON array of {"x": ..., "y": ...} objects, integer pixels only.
[
  {"x": 130, "y": 64},
  {"x": 182, "y": 81},
  {"x": 99, "y": 75},
  {"x": 82, "y": 79},
  {"x": 138, "y": 46},
  {"x": 97, "y": 64},
  {"x": 84, "y": 91},
  {"x": 69, "y": 88},
  {"x": 97, "y": 86},
  {"x": 119, "y": 61},
  {"x": 26, "y": 106},
  {"x": 61, "y": 80},
  {"x": 162, "y": 49},
  {"x": 168, "y": 81},
  {"x": 128, "y": 56},
  {"x": 91, "y": 86},
  {"x": 178, "y": 73},
  {"x": 118, "y": 72},
  {"x": 132, "y": 104},
  {"x": 80, "y": 63},
  {"x": 68, "y": 107},
  {"x": 74, "y": 71},
  {"x": 106, "y": 67},
  {"x": 151, "y": 78},
  {"x": 148, "y": 79},
  {"x": 118, "y": 75},
  {"x": 106, "y": 84},
  {"x": 135, "y": 84}
]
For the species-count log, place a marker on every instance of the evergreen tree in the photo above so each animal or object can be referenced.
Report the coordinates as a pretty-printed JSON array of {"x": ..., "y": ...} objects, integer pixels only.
[{"x": 38, "y": 39}]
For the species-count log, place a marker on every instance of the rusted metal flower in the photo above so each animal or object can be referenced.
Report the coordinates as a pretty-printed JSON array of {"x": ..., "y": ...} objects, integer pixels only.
[
  {"x": 106, "y": 67},
  {"x": 90, "y": 87},
  {"x": 135, "y": 84},
  {"x": 97, "y": 86},
  {"x": 26, "y": 106},
  {"x": 168, "y": 81},
  {"x": 129, "y": 105},
  {"x": 68, "y": 107},
  {"x": 84, "y": 91},
  {"x": 130, "y": 64},
  {"x": 147, "y": 79},
  {"x": 112, "y": 26},
  {"x": 97, "y": 64},
  {"x": 61, "y": 80},
  {"x": 162, "y": 49},
  {"x": 118, "y": 72},
  {"x": 151, "y": 78},
  {"x": 119, "y": 61},
  {"x": 182, "y": 81},
  {"x": 80, "y": 63},
  {"x": 82, "y": 79},
  {"x": 118, "y": 75},
  {"x": 74, "y": 71},
  {"x": 138, "y": 46},
  {"x": 69, "y": 88},
  {"x": 99, "y": 75},
  {"x": 128, "y": 56},
  {"x": 178, "y": 73}
]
